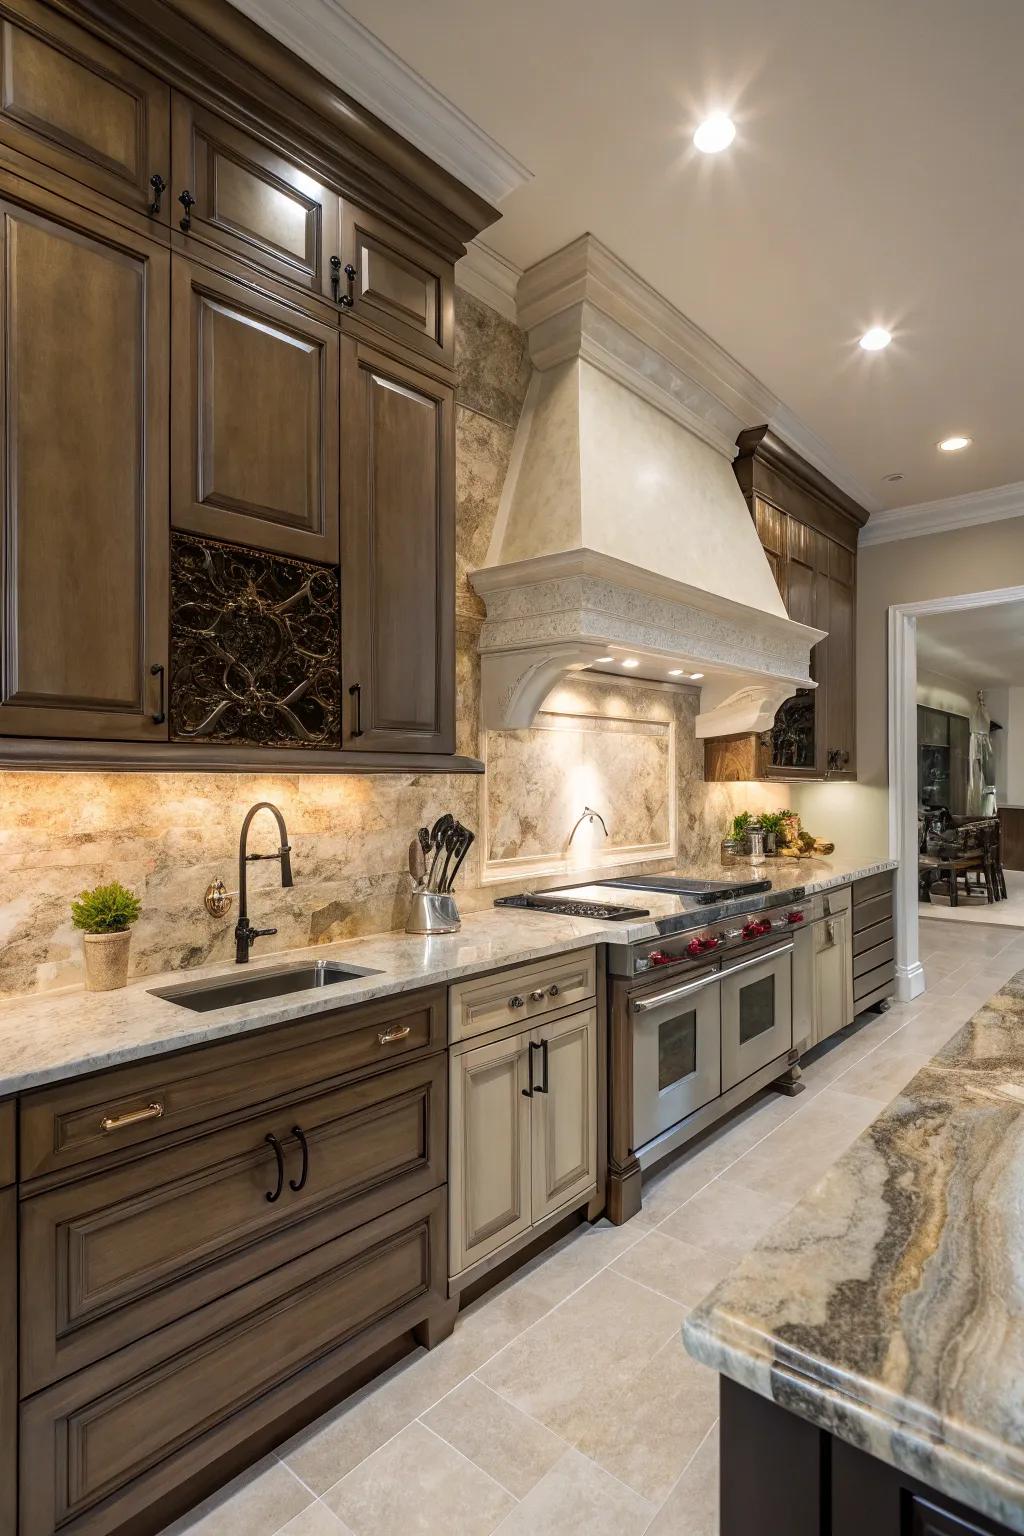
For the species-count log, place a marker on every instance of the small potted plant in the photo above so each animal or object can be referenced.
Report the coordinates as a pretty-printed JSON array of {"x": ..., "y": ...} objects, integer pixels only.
[
  {"x": 105, "y": 915},
  {"x": 772, "y": 825}
]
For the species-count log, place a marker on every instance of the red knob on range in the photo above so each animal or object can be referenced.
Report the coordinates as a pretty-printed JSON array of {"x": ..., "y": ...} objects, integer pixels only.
[
  {"x": 695, "y": 947},
  {"x": 659, "y": 957},
  {"x": 795, "y": 917},
  {"x": 710, "y": 942}
]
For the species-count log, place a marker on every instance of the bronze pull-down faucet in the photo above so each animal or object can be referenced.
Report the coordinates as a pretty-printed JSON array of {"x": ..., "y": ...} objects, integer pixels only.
[{"x": 245, "y": 933}]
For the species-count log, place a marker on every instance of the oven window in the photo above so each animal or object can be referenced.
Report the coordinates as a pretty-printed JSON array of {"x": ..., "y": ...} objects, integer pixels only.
[
  {"x": 677, "y": 1050},
  {"x": 757, "y": 1008}
]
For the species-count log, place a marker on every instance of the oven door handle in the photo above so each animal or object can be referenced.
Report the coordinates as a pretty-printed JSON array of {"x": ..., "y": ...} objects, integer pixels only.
[
  {"x": 645, "y": 1004},
  {"x": 767, "y": 954}
]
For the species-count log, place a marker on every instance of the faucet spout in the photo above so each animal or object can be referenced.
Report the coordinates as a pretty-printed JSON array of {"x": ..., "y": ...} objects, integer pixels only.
[{"x": 245, "y": 933}]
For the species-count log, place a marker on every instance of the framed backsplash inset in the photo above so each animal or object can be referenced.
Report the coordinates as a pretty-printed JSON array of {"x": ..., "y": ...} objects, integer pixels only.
[
  {"x": 255, "y": 647},
  {"x": 580, "y": 751}
]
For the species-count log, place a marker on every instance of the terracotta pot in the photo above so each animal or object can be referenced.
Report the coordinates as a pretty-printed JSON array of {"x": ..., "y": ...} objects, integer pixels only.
[{"x": 106, "y": 960}]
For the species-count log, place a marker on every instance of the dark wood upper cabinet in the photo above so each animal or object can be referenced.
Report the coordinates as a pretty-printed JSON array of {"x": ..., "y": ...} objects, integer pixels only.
[
  {"x": 254, "y": 417},
  {"x": 251, "y": 201},
  {"x": 400, "y": 286},
  {"x": 71, "y": 103},
  {"x": 397, "y": 556},
  {"x": 808, "y": 529},
  {"x": 84, "y": 537}
]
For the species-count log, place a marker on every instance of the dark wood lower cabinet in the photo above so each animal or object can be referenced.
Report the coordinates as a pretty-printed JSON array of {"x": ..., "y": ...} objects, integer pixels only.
[
  {"x": 782, "y": 1476},
  {"x": 8, "y": 1329}
]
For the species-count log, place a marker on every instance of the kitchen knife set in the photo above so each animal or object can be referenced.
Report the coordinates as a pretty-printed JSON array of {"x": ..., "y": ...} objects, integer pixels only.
[{"x": 436, "y": 854}]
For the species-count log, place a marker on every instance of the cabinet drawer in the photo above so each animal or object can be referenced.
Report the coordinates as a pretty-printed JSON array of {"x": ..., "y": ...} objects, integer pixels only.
[
  {"x": 872, "y": 885},
  {"x": 874, "y": 984},
  {"x": 67, "y": 1125},
  {"x": 871, "y": 959},
  {"x": 836, "y": 902},
  {"x": 253, "y": 202},
  {"x": 528, "y": 992},
  {"x": 109, "y": 1259},
  {"x": 867, "y": 938},
  {"x": 106, "y": 1444},
  {"x": 83, "y": 109},
  {"x": 400, "y": 286},
  {"x": 867, "y": 913},
  {"x": 7, "y": 1163}
]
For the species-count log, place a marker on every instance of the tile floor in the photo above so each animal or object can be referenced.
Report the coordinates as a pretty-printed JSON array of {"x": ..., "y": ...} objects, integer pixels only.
[
  {"x": 565, "y": 1402},
  {"x": 1004, "y": 914}
]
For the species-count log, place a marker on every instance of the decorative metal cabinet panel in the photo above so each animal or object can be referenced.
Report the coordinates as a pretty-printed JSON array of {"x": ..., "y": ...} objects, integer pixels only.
[{"x": 255, "y": 647}]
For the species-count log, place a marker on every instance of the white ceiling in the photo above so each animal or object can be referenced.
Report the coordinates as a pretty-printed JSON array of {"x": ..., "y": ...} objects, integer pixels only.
[
  {"x": 875, "y": 178},
  {"x": 979, "y": 645}
]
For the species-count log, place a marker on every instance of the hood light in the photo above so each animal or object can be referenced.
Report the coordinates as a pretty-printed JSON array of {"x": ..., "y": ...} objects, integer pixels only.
[
  {"x": 715, "y": 133},
  {"x": 676, "y": 672},
  {"x": 600, "y": 659},
  {"x": 630, "y": 661},
  {"x": 695, "y": 677}
]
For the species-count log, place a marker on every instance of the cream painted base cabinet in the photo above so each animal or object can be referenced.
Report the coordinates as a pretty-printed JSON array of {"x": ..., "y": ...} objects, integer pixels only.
[
  {"x": 833, "y": 973},
  {"x": 524, "y": 1122}
]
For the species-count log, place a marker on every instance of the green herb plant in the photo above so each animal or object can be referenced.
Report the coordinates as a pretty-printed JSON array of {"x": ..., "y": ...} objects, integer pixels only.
[
  {"x": 772, "y": 821},
  {"x": 105, "y": 909},
  {"x": 740, "y": 825}
]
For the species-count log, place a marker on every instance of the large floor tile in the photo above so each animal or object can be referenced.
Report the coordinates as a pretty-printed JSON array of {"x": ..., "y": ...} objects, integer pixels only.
[
  {"x": 677, "y": 1269},
  {"x": 316, "y": 1520},
  {"x": 727, "y": 1217},
  {"x": 569, "y": 1264},
  {"x": 258, "y": 1503},
  {"x": 589, "y": 1346},
  {"x": 691, "y": 1509},
  {"x": 577, "y": 1498},
  {"x": 418, "y": 1485},
  {"x": 505, "y": 1443}
]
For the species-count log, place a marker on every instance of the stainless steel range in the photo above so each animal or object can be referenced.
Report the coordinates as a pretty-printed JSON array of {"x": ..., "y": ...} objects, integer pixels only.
[{"x": 712, "y": 1008}]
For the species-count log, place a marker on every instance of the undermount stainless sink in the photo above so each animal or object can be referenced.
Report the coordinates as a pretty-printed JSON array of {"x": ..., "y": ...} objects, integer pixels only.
[{"x": 224, "y": 991}]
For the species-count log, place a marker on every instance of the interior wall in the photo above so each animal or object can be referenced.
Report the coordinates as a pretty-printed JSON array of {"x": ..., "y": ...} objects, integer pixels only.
[
  {"x": 983, "y": 558},
  {"x": 1015, "y": 747}
]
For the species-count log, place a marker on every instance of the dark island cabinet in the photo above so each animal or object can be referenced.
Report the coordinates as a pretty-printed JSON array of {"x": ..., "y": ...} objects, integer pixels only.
[
  {"x": 808, "y": 529},
  {"x": 228, "y": 313},
  {"x": 398, "y": 559},
  {"x": 85, "y": 533}
]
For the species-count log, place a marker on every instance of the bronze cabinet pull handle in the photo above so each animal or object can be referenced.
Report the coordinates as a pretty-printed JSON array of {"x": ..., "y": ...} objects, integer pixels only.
[
  {"x": 300, "y": 1137},
  {"x": 394, "y": 1032},
  {"x": 335, "y": 276},
  {"x": 152, "y": 1111},
  {"x": 159, "y": 186},
  {"x": 356, "y": 693},
  {"x": 538, "y": 995},
  {"x": 188, "y": 202},
  {"x": 156, "y": 670},
  {"x": 554, "y": 989},
  {"x": 275, "y": 1194},
  {"x": 529, "y": 1091},
  {"x": 346, "y": 300}
]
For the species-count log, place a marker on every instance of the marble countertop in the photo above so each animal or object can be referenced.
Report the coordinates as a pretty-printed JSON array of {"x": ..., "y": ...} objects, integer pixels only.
[
  {"x": 47, "y": 1037},
  {"x": 888, "y": 1306}
]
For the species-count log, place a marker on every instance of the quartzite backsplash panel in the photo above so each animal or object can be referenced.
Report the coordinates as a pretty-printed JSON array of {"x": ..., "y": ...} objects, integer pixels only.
[{"x": 255, "y": 647}]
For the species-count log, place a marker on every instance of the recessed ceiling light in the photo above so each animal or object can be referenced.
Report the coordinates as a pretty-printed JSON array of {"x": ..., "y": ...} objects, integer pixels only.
[
  {"x": 892, "y": 479},
  {"x": 876, "y": 339},
  {"x": 715, "y": 133},
  {"x": 954, "y": 444},
  {"x": 695, "y": 677},
  {"x": 676, "y": 672},
  {"x": 630, "y": 661},
  {"x": 603, "y": 658}
]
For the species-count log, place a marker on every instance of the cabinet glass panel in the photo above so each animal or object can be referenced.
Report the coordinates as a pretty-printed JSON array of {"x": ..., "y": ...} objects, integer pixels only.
[
  {"x": 757, "y": 1008},
  {"x": 790, "y": 741},
  {"x": 677, "y": 1050}
]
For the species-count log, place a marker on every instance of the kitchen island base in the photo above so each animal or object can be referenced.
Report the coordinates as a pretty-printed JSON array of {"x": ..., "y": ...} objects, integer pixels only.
[{"x": 783, "y": 1476}]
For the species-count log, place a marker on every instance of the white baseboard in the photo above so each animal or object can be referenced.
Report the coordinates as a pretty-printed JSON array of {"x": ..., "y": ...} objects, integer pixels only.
[{"x": 910, "y": 982}]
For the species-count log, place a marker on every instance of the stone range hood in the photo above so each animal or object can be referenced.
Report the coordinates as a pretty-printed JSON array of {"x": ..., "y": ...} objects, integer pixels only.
[{"x": 622, "y": 532}]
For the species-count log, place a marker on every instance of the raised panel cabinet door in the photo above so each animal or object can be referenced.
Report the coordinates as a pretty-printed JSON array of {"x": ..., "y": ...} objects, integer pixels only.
[
  {"x": 84, "y": 535},
  {"x": 398, "y": 555},
  {"x": 254, "y": 418},
  {"x": 564, "y": 1083},
  {"x": 399, "y": 285},
  {"x": 8, "y": 1361},
  {"x": 833, "y": 976},
  {"x": 71, "y": 103},
  {"x": 841, "y": 695},
  {"x": 489, "y": 1159},
  {"x": 254, "y": 202}
]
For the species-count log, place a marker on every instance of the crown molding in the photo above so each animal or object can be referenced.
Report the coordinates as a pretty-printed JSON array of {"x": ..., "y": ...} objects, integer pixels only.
[
  {"x": 815, "y": 450},
  {"x": 489, "y": 278},
  {"x": 324, "y": 34},
  {"x": 924, "y": 517}
]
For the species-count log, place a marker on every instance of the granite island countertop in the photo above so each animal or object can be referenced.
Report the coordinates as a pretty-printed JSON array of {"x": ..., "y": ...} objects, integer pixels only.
[
  {"x": 47, "y": 1037},
  {"x": 888, "y": 1306}
]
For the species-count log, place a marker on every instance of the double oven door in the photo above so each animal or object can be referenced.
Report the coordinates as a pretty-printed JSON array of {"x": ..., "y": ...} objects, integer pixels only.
[{"x": 695, "y": 1038}]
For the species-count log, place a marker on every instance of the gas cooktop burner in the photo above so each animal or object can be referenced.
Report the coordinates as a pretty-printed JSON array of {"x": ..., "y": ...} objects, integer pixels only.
[
  {"x": 705, "y": 892},
  {"x": 606, "y": 912}
]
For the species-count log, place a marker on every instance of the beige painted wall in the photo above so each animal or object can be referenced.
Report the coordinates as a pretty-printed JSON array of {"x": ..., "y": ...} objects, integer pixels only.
[{"x": 978, "y": 559}]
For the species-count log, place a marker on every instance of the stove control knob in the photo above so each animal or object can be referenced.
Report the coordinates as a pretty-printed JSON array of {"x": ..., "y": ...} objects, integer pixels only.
[
  {"x": 794, "y": 917},
  {"x": 695, "y": 947},
  {"x": 710, "y": 941},
  {"x": 659, "y": 957}
]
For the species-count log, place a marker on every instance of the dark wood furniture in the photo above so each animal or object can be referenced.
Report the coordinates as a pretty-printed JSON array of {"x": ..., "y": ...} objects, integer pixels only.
[
  {"x": 1011, "y": 836},
  {"x": 214, "y": 1245},
  {"x": 8, "y": 1324},
  {"x": 943, "y": 749},
  {"x": 874, "y": 943},
  {"x": 782, "y": 1476},
  {"x": 808, "y": 528},
  {"x": 228, "y": 301},
  {"x": 955, "y": 866}
]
